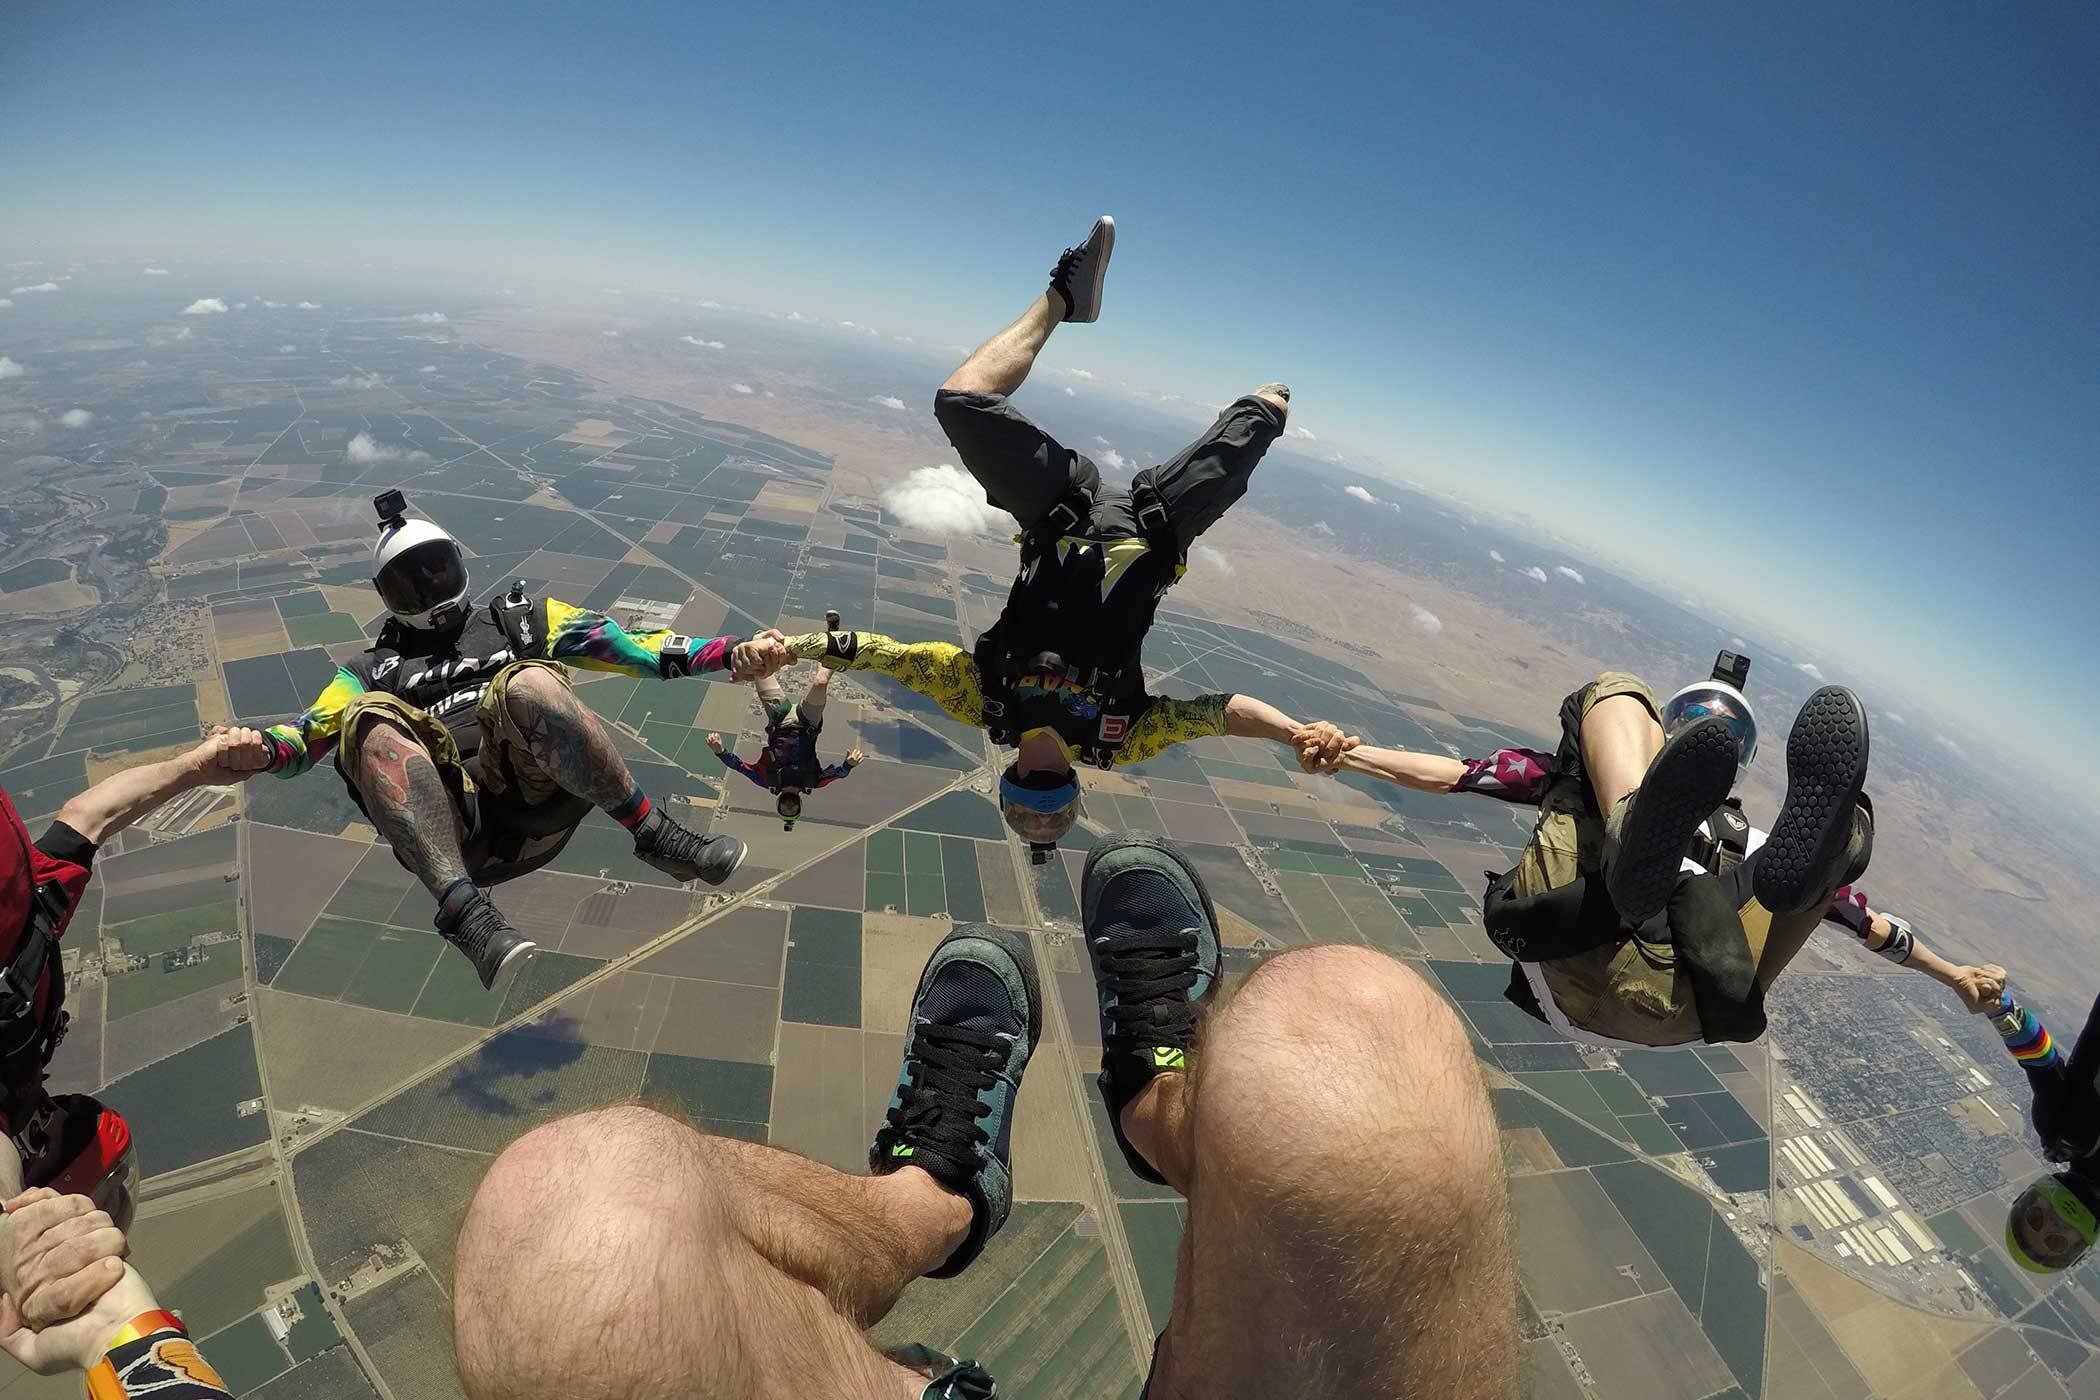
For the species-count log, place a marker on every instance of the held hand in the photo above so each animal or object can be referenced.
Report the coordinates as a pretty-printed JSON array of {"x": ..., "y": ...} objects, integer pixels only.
[
  {"x": 854, "y": 758},
  {"x": 714, "y": 741},
  {"x": 58, "y": 1254},
  {"x": 759, "y": 657},
  {"x": 231, "y": 755},
  {"x": 1980, "y": 988},
  {"x": 1320, "y": 746},
  {"x": 76, "y": 1345}
]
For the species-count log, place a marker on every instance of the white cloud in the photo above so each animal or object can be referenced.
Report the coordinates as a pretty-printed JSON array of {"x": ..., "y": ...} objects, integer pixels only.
[
  {"x": 1069, "y": 393},
  {"x": 10, "y": 370},
  {"x": 287, "y": 349},
  {"x": 741, "y": 388},
  {"x": 1738, "y": 643},
  {"x": 358, "y": 381},
  {"x": 1109, "y": 456},
  {"x": 1950, "y": 746},
  {"x": 1078, "y": 373},
  {"x": 1536, "y": 572},
  {"x": 1572, "y": 575},
  {"x": 709, "y": 305},
  {"x": 888, "y": 401},
  {"x": 5, "y": 302},
  {"x": 857, "y": 326},
  {"x": 168, "y": 335},
  {"x": 1362, "y": 495},
  {"x": 1809, "y": 669},
  {"x": 205, "y": 306},
  {"x": 610, "y": 335},
  {"x": 1496, "y": 555},
  {"x": 703, "y": 344},
  {"x": 1305, "y": 433},
  {"x": 1321, "y": 527},
  {"x": 1892, "y": 715},
  {"x": 37, "y": 287},
  {"x": 1425, "y": 619},
  {"x": 429, "y": 318},
  {"x": 153, "y": 272},
  {"x": 613, "y": 291},
  {"x": 363, "y": 449},
  {"x": 946, "y": 500},
  {"x": 796, "y": 316},
  {"x": 309, "y": 306},
  {"x": 904, "y": 340},
  {"x": 240, "y": 306},
  {"x": 426, "y": 369},
  {"x": 1213, "y": 557},
  {"x": 76, "y": 418},
  {"x": 273, "y": 305}
]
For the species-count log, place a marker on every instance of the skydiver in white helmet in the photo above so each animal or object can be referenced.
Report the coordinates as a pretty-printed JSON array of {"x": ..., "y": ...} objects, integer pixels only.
[{"x": 457, "y": 733}]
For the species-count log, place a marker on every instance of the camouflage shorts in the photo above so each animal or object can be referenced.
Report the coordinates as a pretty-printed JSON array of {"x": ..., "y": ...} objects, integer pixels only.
[
  {"x": 504, "y": 771},
  {"x": 1569, "y": 838}
]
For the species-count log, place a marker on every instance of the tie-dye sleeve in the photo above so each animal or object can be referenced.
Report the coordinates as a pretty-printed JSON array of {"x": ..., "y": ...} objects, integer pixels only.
[
  {"x": 298, "y": 746},
  {"x": 1514, "y": 775},
  {"x": 594, "y": 642}
]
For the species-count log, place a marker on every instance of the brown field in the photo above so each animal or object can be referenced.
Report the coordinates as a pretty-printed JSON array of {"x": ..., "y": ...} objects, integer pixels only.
[
  {"x": 819, "y": 1089},
  {"x": 1572, "y": 1242},
  {"x": 48, "y": 600},
  {"x": 302, "y": 1041},
  {"x": 1901, "y": 1353},
  {"x": 1648, "y": 1349},
  {"x": 292, "y": 875}
]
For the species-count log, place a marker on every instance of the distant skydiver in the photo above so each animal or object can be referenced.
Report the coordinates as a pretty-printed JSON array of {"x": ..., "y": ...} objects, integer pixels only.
[
  {"x": 71, "y": 1142},
  {"x": 463, "y": 742},
  {"x": 1057, "y": 677},
  {"x": 787, "y": 766},
  {"x": 2056, "y": 1219},
  {"x": 1646, "y": 910},
  {"x": 1347, "y": 1233}
]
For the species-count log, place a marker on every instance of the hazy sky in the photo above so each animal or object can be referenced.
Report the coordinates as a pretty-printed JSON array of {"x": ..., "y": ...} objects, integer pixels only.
[{"x": 1811, "y": 289}]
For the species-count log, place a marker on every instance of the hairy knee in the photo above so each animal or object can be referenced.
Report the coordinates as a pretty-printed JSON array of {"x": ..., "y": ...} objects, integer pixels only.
[{"x": 1352, "y": 998}]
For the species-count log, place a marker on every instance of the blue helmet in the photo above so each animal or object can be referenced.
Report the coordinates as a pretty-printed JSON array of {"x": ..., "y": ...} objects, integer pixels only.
[{"x": 1717, "y": 699}]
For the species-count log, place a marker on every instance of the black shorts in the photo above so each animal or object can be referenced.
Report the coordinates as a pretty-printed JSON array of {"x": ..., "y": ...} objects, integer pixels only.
[{"x": 1026, "y": 472}]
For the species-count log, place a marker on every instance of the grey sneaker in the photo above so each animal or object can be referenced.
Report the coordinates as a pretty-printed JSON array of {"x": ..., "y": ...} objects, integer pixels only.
[
  {"x": 1081, "y": 271},
  {"x": 974, "y": 1023}
]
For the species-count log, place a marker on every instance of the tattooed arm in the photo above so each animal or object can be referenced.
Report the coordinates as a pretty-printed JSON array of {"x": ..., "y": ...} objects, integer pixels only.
[{"x": 595, "y": 642}]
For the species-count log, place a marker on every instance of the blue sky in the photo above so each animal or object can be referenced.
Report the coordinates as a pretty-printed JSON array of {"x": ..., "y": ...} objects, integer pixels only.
[{"x": 1812, "y": 288}]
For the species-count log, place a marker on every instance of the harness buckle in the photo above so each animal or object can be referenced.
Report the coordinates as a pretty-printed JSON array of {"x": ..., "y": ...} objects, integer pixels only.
[{"x": 1064, "y": 517}]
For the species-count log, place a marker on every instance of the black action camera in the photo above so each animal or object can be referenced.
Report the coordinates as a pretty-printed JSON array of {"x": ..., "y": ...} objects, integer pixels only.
[
  {"x": 1040, "y": 854},
  {"x": 1728, "y": 667},
  {"x": 392, "y": 507}
]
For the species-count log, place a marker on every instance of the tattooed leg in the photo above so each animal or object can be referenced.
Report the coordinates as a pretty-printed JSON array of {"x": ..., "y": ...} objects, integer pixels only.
[
  {"x": 571, "y": 745},
  {"x": 410, "y": 804}
]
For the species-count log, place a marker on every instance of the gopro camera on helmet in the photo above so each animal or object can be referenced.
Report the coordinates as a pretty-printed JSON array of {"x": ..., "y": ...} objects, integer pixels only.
[
  {"x": 1732, "y": 669},
  {"x": 1040, "y": 852},
  {"x": 392, "y": 507}
]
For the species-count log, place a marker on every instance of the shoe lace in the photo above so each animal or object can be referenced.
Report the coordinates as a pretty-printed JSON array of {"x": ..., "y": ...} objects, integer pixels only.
[
  {"x": 671, "y": 839},
  {"x": 1065, "y": 263},
  {"x": 1152, "y": 974},
  {"x": 938, "y": 1110},
  {"x": 480, "y": 923}
]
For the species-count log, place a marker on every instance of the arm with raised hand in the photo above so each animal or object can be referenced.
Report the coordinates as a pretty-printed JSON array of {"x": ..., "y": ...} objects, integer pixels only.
[
  {"x": 941, "y": 671},
  {"x": 591, "y": 641},
  {"x": 228, "y": 756},
  {"x": 1168, "y": 721},
  {"x": 731, "y": 762},
  {"x": 1513, "y": 775}
]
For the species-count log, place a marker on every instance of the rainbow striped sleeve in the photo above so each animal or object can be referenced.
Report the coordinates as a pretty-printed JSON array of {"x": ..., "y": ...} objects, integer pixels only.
[{"x": 2028, "y": 1039}]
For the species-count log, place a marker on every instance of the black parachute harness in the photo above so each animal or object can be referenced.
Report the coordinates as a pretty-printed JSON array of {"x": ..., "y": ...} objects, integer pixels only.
[
  {"x": 27, "y": 1039},
  {"x": 1031, "y": 613}
]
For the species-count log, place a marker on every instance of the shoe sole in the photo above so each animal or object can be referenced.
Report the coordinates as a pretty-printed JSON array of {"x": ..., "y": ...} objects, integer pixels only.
[
  {"x": 1175, "y": 864},
  {"x": 1689, "y": 779},
  {"x": 1086, "y": 303},
  {"x": 1826, "y": 766},
  {"x": 513, "y": 963}
]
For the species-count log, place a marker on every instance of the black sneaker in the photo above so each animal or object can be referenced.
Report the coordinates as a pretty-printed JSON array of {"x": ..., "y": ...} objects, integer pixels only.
[
  {"x": 974, "y": 1022},
  {"x": 686, "y": 855},
  {"x": 1080, "y": 273},
  {"x": 1647, "y": 834},
  {"x": 1152, "y": 936},
  {"x": 1806, "y": 855},
  {"x": 478, "y": 929}
]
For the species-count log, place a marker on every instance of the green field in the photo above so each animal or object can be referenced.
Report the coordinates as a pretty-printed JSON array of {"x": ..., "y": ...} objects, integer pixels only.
[
  {"x": 159, "y": 933},
  {"x": 314, "y": 1332},
  {"x": 183, "y": 1109},
  {"x": 394, "y": 971},
  {"x": 321, "y": 629},
  {"x": 228, "y": 1283},
  {"x": 303, "y": 604},
  {"x": 133, "y": 992},
  {"x": 328, "y": 957},
  {"x": 245, "y": 1354}
]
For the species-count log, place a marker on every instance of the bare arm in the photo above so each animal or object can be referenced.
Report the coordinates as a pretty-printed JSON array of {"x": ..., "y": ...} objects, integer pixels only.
[
  {"x": 1979, "y": 988},
  {"x": 1424, "y": 772},
  {"x": 229, "y": 756}
]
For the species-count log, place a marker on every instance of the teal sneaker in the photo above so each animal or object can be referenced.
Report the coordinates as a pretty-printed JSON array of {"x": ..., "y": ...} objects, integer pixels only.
[
  {"x": 1152, "y": 937},
  {"x": 975, "y": 1021}
]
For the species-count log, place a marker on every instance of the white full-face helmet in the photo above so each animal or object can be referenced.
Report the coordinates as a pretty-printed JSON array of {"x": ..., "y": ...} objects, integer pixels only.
[{"x": 421, "y": 573}]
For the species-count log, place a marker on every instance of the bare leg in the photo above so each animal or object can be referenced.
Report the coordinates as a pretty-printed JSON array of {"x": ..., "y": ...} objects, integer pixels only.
[
  {"x": 819, "y": 689},
  {"x": 629, "y": 1254},
  {"x": 568, "y": 741},
  {"x": 1000, "y": 364},
  {"x": 1620, "y": 738},
  {"x": 1369, "y": 1255},
  {"x": 410, "y": 804}
]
